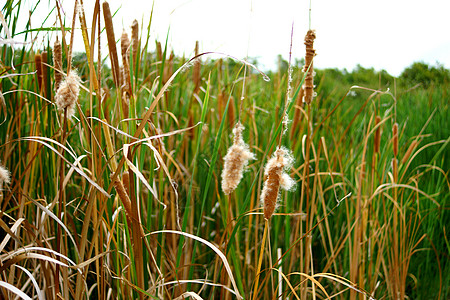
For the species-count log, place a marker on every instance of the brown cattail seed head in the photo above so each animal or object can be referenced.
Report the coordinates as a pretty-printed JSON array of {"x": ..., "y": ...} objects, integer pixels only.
[
  {"x": 377, "y": 138},
  {"x": 124, "y": 46},
  {"x": 409, "y": 151},
  {"x": 57, "y": 63},
  {"x": 168, "y": 68},
  {"x": 395, "y": 138},
  {"x": 126, "y": 84},
  {"x": 159, "y": 52},
  {"x": 196, "y": 71},
  {"x": 123, "y": 196},
  {"x": 236, "y": 160},
  {"x": 67, "y": 94},
  {"x": 135, "y": 38},
  {"x": 274, "y": 179},
  {"x": 38, "y": 65},
  {"x": 111, "y": 43},
  {"x": 5, "y": 176},
  {"x": 308, "y": 86},
  {"x": 44, "y": 72}
]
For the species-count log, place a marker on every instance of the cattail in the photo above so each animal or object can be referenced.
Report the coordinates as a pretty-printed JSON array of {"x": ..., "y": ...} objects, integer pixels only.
[
  {"x": 123, "y": 196},
  {"x": 126, "y": 181},
  {"x": 221, "y": 103},
  {"x": 125, "y": 50},
  {"x": 222, "y": 100},
  {"x": 231, "y": 115},
  {"x": 196, "y": 71},
  {"x": 5, "y": 176},
  {"x": 308, "y": 85},
  {"x": 274, "y": 179},
  {"x": 57, "y": 63},
  {"x": 111, "y": 43},
  {"x": 236, "y": 160},
  {"x": 135, "y": 38},
  {"x": 377, "y": 138},
  {"x": 168, "y": 68},
  {"x": 38, "y": 65},
  {"x": 159, "y": 52},
  {"x": 44, "y": 72},
  {"x": 125, "y": 47},
  {"x": 409, "y": 151},
  {"x": 67, "y": 94},
  {"x": 395, "y": 139}
]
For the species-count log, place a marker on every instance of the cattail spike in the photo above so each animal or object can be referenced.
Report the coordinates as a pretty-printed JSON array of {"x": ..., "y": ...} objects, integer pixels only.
[
  {"x": 111, "y": 43},
  {"x": 308, "y": 85},
  {"x": 409, "y": 151},
  {"x": 196, "y": 71},
  {"x": 159, "y": 52},
  {"x": 57, "y": 63},
  {"x": 276, "y": 179},
  {"x": 123, "y": 196},
  {"x": 38, "y": 65},
  {"x": 44, "y": 73},
  {"x": 125, "y": 47},
  {"x": 135, "y": 38},
  {"x": 168, "y": 68}
]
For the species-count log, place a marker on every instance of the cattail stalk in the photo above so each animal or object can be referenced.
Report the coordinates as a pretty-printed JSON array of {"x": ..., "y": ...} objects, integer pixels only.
[
  {"x": 395, "y": 139},
  {"x": 297, "y": 116},
  {"x": 377, "y": 138},
  {"x": 236, "y": 160},
  {"x": 395, "y": 169},
  {"x": 261, "y": 253},
  {"x": 308, "y": 85}
]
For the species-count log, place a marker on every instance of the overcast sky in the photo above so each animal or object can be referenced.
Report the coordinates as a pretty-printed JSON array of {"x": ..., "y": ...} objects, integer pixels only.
[{"x": 383, "y": 34}]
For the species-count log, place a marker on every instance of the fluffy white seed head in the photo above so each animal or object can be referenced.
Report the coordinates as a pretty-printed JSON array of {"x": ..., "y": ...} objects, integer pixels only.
[
  {"x": 235, "y": 161},
  {"x": 67, "y": 94},
  {"x": 5, "y": 176}
]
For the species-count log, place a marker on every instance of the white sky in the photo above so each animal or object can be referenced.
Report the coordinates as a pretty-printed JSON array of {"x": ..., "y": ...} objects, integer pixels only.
[{"x": 383, "y": 34}]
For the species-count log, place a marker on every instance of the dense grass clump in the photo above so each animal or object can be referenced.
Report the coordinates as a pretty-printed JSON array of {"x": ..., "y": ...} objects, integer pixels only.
[{"x": 120, "y": 195}]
